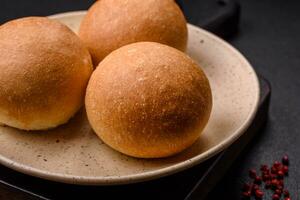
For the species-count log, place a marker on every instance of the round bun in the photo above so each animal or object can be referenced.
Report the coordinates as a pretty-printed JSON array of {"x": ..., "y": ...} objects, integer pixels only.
[
  {"x": 111, "y": 24},
  {"x": 44, "y": 70},
  {"x": 148, "y": 100}
]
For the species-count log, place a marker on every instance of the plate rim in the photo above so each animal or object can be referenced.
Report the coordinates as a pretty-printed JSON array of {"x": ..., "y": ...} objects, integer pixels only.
[{"x": 158, "y": 173}]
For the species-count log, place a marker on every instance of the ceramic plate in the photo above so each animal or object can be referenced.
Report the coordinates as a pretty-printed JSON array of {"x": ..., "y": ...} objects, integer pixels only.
[{"x": 72, "y": 153}]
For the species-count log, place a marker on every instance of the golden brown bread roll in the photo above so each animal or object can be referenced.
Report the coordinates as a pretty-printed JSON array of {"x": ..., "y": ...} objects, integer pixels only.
[
  {"x": 148, "y": 100},
  {"x": 44, "y": 70},
  {"x": 110, "y": 24}
]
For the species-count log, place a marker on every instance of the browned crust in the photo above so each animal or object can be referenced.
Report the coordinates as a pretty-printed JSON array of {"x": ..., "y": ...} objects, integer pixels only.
[
  {"x": 110, "y": 24},
  {"x": 44, "y": 70},
  {"x": 148, "y": 100}
]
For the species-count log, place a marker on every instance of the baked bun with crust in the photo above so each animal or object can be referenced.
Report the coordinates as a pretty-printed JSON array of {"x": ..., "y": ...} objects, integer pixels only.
[
  {"x": 44, "y": 70},
  {"x": 111, "y": 24},
  {"x": 148, "y": 100}
]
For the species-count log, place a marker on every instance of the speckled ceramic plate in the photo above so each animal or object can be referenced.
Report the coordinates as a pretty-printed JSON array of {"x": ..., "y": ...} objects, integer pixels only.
[{"x": 72, "y": 153}]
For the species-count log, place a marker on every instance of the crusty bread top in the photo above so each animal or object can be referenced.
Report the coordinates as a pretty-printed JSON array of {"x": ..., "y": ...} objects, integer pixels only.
[
  {"x": 44, "y": 68},
  {"x": 148, "y": 99},
  {"x": 110, "y": 24}
]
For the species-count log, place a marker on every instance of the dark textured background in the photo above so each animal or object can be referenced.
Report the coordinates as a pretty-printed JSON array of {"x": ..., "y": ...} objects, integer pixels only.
[{"x": 269, "y": 38}]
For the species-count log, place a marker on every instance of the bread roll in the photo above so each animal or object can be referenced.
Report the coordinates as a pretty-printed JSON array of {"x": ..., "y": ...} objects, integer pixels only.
[
  {"x": 44, "y": 70},
  {"x": 148, "y": 100},
  {"x": 110, "y": 24}
]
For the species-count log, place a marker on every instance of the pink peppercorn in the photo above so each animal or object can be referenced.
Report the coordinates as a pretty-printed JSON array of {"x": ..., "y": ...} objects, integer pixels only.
[
  {"x": 285, "y": 160},
  {"x": 259, "y": 194},
  {"x": 273, "y": 170},
  {"x": 274, "y": 182},
  {"x": 257, "y": 180},
  {"x": 276, "y": 164},
  {"x": 275, "y": 197},
  {"x": 286, "y": 193},
  {"x": 280, "y": 184},
  {"x": 280, "y": 174},
  {"x": 285, "y": 169},
  {"x": 273, "y": 176},
  {"x": 265, "y": 177},
  {"x": 278, "y": 191},
  {"x": 254, "y": 188}
]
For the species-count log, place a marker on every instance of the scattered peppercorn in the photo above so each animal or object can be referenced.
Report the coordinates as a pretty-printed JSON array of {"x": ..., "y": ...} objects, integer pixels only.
[
  {"x": 254, "y": 188},
  {"x": 257, "y": 180},
  {"x": 280, "y": 184},
  {"x": 259, "y": 194},
  {"x": 285, "y": 169},
  {"x": 275, "y": 197},
  {"x": 278, "y": 191},
  {"x": 273, "y": 170},
  {"x": 272, "y": 177},
  {"x": 280, "y": 174},
  {"x": 286, "y": 193},
  {"x": 265, "y": 177},
  {"x": 285, "y": 160},
  {"x": 276, "y": 164},
  {"x": 274, "y": 182}
]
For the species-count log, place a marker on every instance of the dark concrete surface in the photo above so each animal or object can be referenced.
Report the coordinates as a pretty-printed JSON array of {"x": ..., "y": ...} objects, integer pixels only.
[{"x": 270, "y": 38}]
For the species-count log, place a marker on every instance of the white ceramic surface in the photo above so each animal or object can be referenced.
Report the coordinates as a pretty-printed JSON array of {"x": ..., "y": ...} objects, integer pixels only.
[{"x": 72, "y": 153}]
